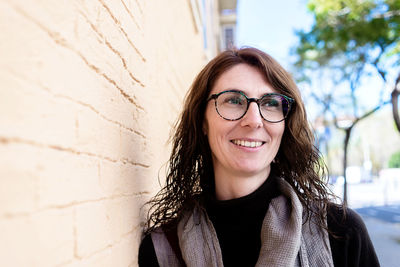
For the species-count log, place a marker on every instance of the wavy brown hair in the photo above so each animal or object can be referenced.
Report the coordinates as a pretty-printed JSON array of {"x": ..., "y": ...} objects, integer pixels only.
[{"x": 190, "y": 171}]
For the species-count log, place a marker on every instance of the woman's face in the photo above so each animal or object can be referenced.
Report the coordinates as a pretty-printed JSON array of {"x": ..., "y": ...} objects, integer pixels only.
[{"x": 245, "y": 147}]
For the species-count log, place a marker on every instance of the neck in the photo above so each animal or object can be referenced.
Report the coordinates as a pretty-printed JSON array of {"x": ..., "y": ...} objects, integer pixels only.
[{"x": 230, "y": 185}]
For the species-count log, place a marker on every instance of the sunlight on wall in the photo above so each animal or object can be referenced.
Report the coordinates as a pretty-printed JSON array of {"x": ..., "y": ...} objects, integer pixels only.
[{"x": 89, "y": 91}]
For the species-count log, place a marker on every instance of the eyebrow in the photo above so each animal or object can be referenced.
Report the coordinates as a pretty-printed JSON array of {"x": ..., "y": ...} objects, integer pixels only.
[{"x": 243, "y": 92}]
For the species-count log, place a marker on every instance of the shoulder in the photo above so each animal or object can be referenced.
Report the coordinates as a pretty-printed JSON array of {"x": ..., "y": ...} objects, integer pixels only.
[
  {"x": 166, "y": 234},
  {"x": 349, "y": 238},
  {"x": 147, "y": 254},
  {"x": 342, "y": 219}
]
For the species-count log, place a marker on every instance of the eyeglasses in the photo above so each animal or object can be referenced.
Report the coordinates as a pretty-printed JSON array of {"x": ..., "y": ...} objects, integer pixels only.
[{"x": 232, "y": 105}]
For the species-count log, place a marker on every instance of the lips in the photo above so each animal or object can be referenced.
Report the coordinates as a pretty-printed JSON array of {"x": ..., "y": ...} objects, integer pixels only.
[{"x": 245, "y": 143}]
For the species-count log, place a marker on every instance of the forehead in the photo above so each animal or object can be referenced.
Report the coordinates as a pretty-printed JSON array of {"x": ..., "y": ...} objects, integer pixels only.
[{"x": 245, "y": 78}]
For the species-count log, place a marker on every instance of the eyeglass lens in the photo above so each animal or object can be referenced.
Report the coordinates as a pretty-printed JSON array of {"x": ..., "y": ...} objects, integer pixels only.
[{"x": 233, "y": 106}]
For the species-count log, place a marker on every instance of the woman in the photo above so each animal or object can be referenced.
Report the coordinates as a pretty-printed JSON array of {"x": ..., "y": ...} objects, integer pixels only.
[{"x": 244, "y": 186}]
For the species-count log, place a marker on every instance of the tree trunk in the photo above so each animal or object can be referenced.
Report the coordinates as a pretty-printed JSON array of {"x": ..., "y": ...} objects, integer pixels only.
[
  {"x": 395, "y": 102},
  {"x": 345, "y": 150},
  {"x": 395, "y": 106}
]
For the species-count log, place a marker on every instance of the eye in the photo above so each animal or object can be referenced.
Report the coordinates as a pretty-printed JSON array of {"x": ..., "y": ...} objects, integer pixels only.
[
  {"x": 234, "y": 100},
  {"x": 270, "y": 102}
]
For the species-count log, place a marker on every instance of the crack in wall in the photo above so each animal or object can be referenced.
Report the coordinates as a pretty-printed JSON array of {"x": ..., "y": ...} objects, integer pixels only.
[
  {"x": 18, "y": 140},
  {"x": 130, "y": 14},
  {"x": 126, "y": 160},
  {"x": 97, "y": 70},
  {"x": 116, "y": 21},
  {"x": 11, "y": 215},
  {"x": 100, "y": 114},
  {"x": 139, "y": 6},
  {"x": 68, "y": 263},
  {"x": 82, "y": 202},
  {"x": 115, "y": 51},
  {"x": 81, "y": 103},
  {"x": 75, "y": 235},
  {"x": 109, "y": 246}
]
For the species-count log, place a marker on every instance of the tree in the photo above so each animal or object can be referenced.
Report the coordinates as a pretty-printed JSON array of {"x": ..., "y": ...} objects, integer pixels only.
[
  {"x": 394, "y": 161},
  {"x": 352, "y": 41},
  {"x": 395, "y": 102}
]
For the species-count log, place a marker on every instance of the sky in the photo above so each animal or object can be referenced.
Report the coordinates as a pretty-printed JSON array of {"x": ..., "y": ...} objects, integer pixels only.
[{"x": 270, "y": 25}]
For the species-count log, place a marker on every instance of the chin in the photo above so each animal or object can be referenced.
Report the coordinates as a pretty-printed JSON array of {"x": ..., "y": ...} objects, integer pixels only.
[{"x": 251, "y": 170}]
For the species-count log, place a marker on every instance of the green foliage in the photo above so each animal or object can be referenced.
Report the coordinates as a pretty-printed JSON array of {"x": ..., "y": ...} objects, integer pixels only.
[
  {"x": 353, "y": 30},
  {"x": 349, "y": 41},
  {"x": 394, "y": 161}
]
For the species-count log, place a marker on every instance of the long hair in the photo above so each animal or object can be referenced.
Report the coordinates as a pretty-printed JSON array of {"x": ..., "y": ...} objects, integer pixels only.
[{"x": 190, "y": 170}]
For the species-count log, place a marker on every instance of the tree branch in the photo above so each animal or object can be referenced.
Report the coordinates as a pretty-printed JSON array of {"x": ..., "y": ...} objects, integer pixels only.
[
  {"x": 395, "y": 102},
  {"x": 372, "y": 111}
]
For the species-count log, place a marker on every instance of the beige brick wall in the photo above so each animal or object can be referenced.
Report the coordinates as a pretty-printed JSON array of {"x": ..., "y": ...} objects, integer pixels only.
[{"x": 88, "y": 92}]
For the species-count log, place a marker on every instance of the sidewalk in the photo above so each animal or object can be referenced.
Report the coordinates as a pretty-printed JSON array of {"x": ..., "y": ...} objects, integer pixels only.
[
  {"x": 377, "y": 193},
  {"x": 385, "y": 235},
  {"x": 386, "y": 239}
]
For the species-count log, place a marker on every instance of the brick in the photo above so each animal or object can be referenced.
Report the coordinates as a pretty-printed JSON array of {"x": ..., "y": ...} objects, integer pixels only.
[
  {"x": 122, "y": 179},
  {"x": 81, "y": 85},
  {"x": 42, "y": 239},
  {"x": 118, "y": 51},
  {"x": 132, "y": 147},
  {"x": 131, "y": 46},
  {"x": 34, "y": 115},
  {"x": 18, "y": 179},
  {"x": 67, "y": 178},
  {"x": 101, "y": 224},
  {"x": 122, "y": 254},
  {"x": 40, "y": 177},
  {"x": 97, "y": 136}
]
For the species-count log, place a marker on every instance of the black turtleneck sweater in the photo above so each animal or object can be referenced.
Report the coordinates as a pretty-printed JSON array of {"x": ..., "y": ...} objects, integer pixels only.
[
  {"x": 238, "y": 223},
  {"x": 238, "y": 226}
]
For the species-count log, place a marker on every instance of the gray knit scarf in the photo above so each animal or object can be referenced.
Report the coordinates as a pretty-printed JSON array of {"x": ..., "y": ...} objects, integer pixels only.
[{"x": 285, "y": 239}]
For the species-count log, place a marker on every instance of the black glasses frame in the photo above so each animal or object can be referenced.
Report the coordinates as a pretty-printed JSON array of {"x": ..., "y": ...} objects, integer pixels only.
[{"x": 252, "y": 99}]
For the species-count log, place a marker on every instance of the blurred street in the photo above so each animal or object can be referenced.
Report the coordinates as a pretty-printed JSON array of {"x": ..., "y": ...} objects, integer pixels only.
[
  {"x": 378, "y": 203},
  {"x": 386, "y": 239}
]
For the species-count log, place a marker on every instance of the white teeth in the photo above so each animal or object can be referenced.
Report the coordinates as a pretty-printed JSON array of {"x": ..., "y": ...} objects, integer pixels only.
[{"x": 247, "y": 143}]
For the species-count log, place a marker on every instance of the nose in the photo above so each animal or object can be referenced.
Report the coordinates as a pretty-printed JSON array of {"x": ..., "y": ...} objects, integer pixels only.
[{"x": 252, "y": 118}]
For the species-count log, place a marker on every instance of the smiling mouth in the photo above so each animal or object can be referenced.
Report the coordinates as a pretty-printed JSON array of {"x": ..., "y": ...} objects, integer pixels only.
[{"x": 247, "y": 143}]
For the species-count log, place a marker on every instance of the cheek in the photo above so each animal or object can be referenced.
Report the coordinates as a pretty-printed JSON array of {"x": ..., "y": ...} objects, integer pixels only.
[
  {"x": 213, "y": 137},
  {"x": 274, "y": 128},
  {"x": 277, "y": 132},
  {"x": 210, "y": 124},
  {"x": 217, "y": 137}
]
